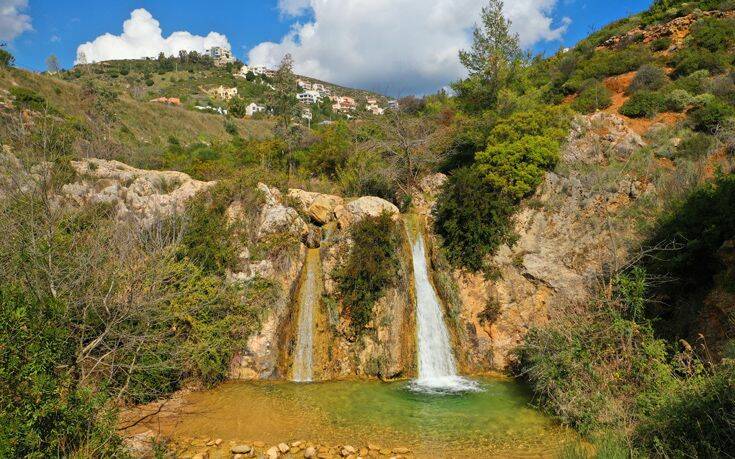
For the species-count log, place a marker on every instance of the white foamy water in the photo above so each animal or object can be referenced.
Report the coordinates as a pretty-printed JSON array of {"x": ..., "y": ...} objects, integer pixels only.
[
  {"x": 437, "y": 367},
  {"x": 309, "y": 293}
]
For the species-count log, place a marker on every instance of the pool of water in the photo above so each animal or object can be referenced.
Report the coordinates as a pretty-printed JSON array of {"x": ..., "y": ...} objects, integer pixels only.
[{"x": 494, "y": 422}]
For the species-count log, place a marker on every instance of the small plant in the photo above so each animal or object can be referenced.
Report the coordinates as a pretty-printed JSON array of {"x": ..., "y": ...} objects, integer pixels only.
[
  {"x": 491, "y": 312},
  {"x": 677, "y": 100},
  {"x": 661, "y": 44},
  {"x": 695, "y": 146},
  {"x": 594, "y": 96},
  {"x": 648, "y": 77}
]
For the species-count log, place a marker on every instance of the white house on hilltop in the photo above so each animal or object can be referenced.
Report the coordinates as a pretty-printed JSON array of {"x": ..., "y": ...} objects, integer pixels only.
[{"x": 221, "y": 56}]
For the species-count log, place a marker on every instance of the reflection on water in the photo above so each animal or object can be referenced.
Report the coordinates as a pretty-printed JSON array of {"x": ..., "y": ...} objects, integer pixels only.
[{"x": 496, "y": 422}]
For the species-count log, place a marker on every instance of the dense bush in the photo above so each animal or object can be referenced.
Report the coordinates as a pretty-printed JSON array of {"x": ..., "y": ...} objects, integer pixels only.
[
  {"x": 43, "y": 410},
  {"x": 710, "y": 115},
  {"x": 605, "y": 63},
  {"x": 695, "y": 145},
  {"x": 582, "y": 372},
  {"x": 697, "y": 420},
  {"x": 27, "y": 98},
  {"x": 695, "y": 83},
  {"x": 472, "y": 219},
  {"x": 594, "y": 96},
  {"x": 677, "y": 100},
  {"x": 648, "y": 77},
  {"x": 713, "y": 34},
  {"x": 642, "y": 104},
  {"x": 517, "y": 168},
  {"x": 661, "y": 44},
  {"x": 372, "y": 266},
  {"x": 690, "y": 60}
]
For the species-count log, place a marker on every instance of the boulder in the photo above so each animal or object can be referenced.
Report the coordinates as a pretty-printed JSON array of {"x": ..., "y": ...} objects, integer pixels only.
[
  {"x": 432, "y": 183},
  {"x": 359, "y": 209},
  {"x": 283, "y": 448},
  {"x": 280, "y": 219},
  {"x": 310, "y": 452},
  {"x": 319, "y": 207},
  {"x": 322, "y": 208},
  {"x": 272, "y": 452}
]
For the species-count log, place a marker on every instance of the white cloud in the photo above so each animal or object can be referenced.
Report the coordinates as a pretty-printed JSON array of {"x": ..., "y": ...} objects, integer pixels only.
[
  {"x": 394, "y": 46},
  {"x": 142, "y": 37},
  {"x": 12, "y": 21}
]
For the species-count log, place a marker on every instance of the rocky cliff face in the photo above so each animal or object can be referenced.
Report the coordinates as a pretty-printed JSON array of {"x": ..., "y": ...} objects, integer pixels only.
[{"x": 565, "y": 242}]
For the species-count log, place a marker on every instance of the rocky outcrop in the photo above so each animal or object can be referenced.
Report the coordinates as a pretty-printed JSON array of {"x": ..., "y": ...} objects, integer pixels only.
[
  {"x": 136, "y": 194},
  {"x": 423, "y": 197},
  {"x": 677, "y": 29},
  {"x": 568, "y": 236},
  {"x": 361, "y": 208}
]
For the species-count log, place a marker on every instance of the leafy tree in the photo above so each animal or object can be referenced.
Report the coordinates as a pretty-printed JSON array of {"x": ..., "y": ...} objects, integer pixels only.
[
  {"x": 492, "y": 60},
  {"x": 6, "y": 59},
  {"x": 52, "y": 64},
  {"x": 237, "y": 107},
  {"x": 283, "y": 97}
]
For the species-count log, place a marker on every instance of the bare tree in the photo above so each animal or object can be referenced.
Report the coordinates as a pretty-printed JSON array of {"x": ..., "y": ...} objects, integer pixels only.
[{"x": 406, "y": 144}]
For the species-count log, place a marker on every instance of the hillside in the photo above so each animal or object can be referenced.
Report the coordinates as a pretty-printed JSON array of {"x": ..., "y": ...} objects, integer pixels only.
[{"x": 566, "y": 221}]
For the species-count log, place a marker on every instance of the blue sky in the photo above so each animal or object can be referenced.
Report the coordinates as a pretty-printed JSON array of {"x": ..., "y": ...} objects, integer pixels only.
[{"x": 257, "y": 30}]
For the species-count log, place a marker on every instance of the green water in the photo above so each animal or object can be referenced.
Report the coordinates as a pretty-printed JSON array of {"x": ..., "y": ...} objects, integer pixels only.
[{"x": 497, "y": 422}]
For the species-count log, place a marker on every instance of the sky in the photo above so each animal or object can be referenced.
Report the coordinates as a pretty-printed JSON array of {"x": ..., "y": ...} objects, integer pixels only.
[{"x": 396, "y": 47}]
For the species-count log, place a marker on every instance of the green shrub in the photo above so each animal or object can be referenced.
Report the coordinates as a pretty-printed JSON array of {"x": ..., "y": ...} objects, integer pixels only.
[
  {"x": 648, "y": 77},
  {"x": 713, "y": 34},
  {"x": 690, "y": 60},
  {"x": 372, "y": 266},
  {"x": 642, "y": 104},
  {"x": 27, "y": 98},
  {"x": 472, "y": 219},
  {"x": 149, "y": 82},
  {"x": 661, "y": 44},
  {"x": 208, "y": 240},
  {"x": 605, "y": 63},
  {"x": 677, "y": 100},
  {"x": 598, "y": 367},
  {"x": 595, "y": 96},
  {"x": 517, "y": 168},
  {"x": 695, "y": 83},
  {"x": 43, "y": 411},
  {"x": 697, "y": 420},
  {"x": 695, "y": 146},
  {"x": 710, "y": 115}
]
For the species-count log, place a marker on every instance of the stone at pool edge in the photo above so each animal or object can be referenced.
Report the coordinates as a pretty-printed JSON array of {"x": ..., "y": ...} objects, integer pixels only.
[
  {"x": 241, "y": 449},
  {"x": 310, "y": 453}
]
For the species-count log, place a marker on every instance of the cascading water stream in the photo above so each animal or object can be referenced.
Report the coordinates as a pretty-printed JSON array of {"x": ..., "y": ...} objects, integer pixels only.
[
  {"x": 437, "y": 367},
  {"x": 309, "y": 294}
]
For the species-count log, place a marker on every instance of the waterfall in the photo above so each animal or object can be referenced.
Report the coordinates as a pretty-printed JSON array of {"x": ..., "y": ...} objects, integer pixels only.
[
  {"x": 309, "y": 294},
  {"x": 437, "y": 366}
]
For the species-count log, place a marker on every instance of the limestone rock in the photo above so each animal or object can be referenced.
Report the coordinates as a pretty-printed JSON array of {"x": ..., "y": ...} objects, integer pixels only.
[
  {"x": 139, "y": 195},
  {"x": 272, "y": 453},
  {"x": 310, "y": 452},
  {"x": 593, "y": 138},
  {"x": 283, "y": 448},
  {"x": 359, "y": 209},
  {"x": 281, "y": 219}
]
